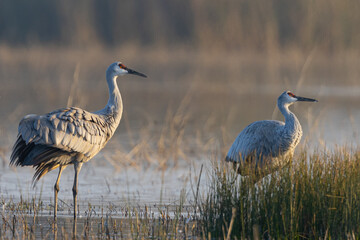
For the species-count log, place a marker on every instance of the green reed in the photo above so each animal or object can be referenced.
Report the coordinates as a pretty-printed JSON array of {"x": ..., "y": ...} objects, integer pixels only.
[{"x": 317, "y": 196}]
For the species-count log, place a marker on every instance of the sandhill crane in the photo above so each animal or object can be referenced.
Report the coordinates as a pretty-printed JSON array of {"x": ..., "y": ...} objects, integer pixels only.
[
  {"x": 69, "y": 135},
  {"x": 265, "y": 146}
]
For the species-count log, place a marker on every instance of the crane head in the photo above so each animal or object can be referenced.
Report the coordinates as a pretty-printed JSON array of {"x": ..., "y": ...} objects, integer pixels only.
[
  {"x": 288, "y": 98},
  {"x": 120, "y": 69}
]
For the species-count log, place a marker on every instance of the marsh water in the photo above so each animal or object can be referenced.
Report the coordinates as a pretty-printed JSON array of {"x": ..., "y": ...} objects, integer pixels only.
[{"x": 178, "y": 119}]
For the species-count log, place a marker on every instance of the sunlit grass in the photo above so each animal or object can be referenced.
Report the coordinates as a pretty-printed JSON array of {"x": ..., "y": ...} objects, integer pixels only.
[{"x": 316, "y": 198}]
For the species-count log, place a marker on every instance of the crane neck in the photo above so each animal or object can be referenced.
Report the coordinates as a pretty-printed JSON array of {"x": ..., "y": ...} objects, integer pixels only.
[
  {"x": 291, "y": 121},
  {"x": 114, "y": 105}
]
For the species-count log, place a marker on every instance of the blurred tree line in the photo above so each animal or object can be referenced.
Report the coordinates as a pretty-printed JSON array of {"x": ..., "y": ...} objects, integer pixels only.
[{"x": 231, "y": 24}]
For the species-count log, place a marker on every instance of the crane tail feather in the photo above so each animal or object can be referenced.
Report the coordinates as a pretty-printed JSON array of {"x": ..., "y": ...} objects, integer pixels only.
[
  {"x": 228, "y": 159},
  {"x": 43, "y": 158},
  {"x": 42, "y": 169},
  {"x": 20, "y": 151}
]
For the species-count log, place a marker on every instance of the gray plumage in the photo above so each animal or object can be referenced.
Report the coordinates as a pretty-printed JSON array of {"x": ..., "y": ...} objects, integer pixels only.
[
  {"x": 61, "y": 137},
  {"x": 265, "y": 146},
  {"x": 69, "y": 135}
]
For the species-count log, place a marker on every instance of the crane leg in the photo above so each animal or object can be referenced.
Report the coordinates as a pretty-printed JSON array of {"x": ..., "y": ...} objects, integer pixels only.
[
  {"x": 77, "y": 166},
  {"x": 235, "y": 166},
  {"x": 56, "y": 191}
]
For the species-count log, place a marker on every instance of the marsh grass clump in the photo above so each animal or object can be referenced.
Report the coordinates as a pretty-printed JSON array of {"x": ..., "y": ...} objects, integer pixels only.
[{"x": 316, "y": 197}]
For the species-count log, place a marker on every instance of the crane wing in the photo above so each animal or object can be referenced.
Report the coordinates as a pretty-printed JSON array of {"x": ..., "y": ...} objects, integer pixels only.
[
  {"x": 68, "y": 129},
  {"x": 258, "y": 138}
]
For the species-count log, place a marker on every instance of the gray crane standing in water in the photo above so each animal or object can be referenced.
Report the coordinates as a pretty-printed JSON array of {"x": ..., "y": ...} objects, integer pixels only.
[
  {"x": 69, "y": 135},
  {"x": 266, "y": 146}
]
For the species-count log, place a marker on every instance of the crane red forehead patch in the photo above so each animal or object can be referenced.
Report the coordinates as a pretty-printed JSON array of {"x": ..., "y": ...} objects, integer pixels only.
[
  {"x": 121, "y": 65},
  {"x": 291, "y": 94}
]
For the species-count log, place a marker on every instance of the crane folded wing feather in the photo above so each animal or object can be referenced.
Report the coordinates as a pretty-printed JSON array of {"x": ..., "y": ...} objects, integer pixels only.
[{"x": 69, "y": 129}]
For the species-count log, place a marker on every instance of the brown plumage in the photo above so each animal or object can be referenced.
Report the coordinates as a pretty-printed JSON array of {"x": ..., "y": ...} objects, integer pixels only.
[{"x": 69, "y": 135}]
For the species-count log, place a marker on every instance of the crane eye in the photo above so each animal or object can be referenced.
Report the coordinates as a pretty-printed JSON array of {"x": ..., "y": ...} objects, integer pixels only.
[
  {"x": 122, "y": 66},
  {"x": 291, "y": 94}
]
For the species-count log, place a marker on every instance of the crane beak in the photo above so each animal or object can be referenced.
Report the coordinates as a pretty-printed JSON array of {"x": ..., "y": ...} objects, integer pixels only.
[
  {"x": 304, "y": 99},
  {"x": 130, "y": 71}
]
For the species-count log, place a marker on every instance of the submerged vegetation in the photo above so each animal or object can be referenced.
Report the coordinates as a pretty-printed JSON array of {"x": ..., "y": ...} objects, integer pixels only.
[{"x": 316, "y": 198}]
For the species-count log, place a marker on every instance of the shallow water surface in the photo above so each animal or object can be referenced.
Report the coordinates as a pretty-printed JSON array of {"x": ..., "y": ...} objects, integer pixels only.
[{"x": 109, "y": 202}]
